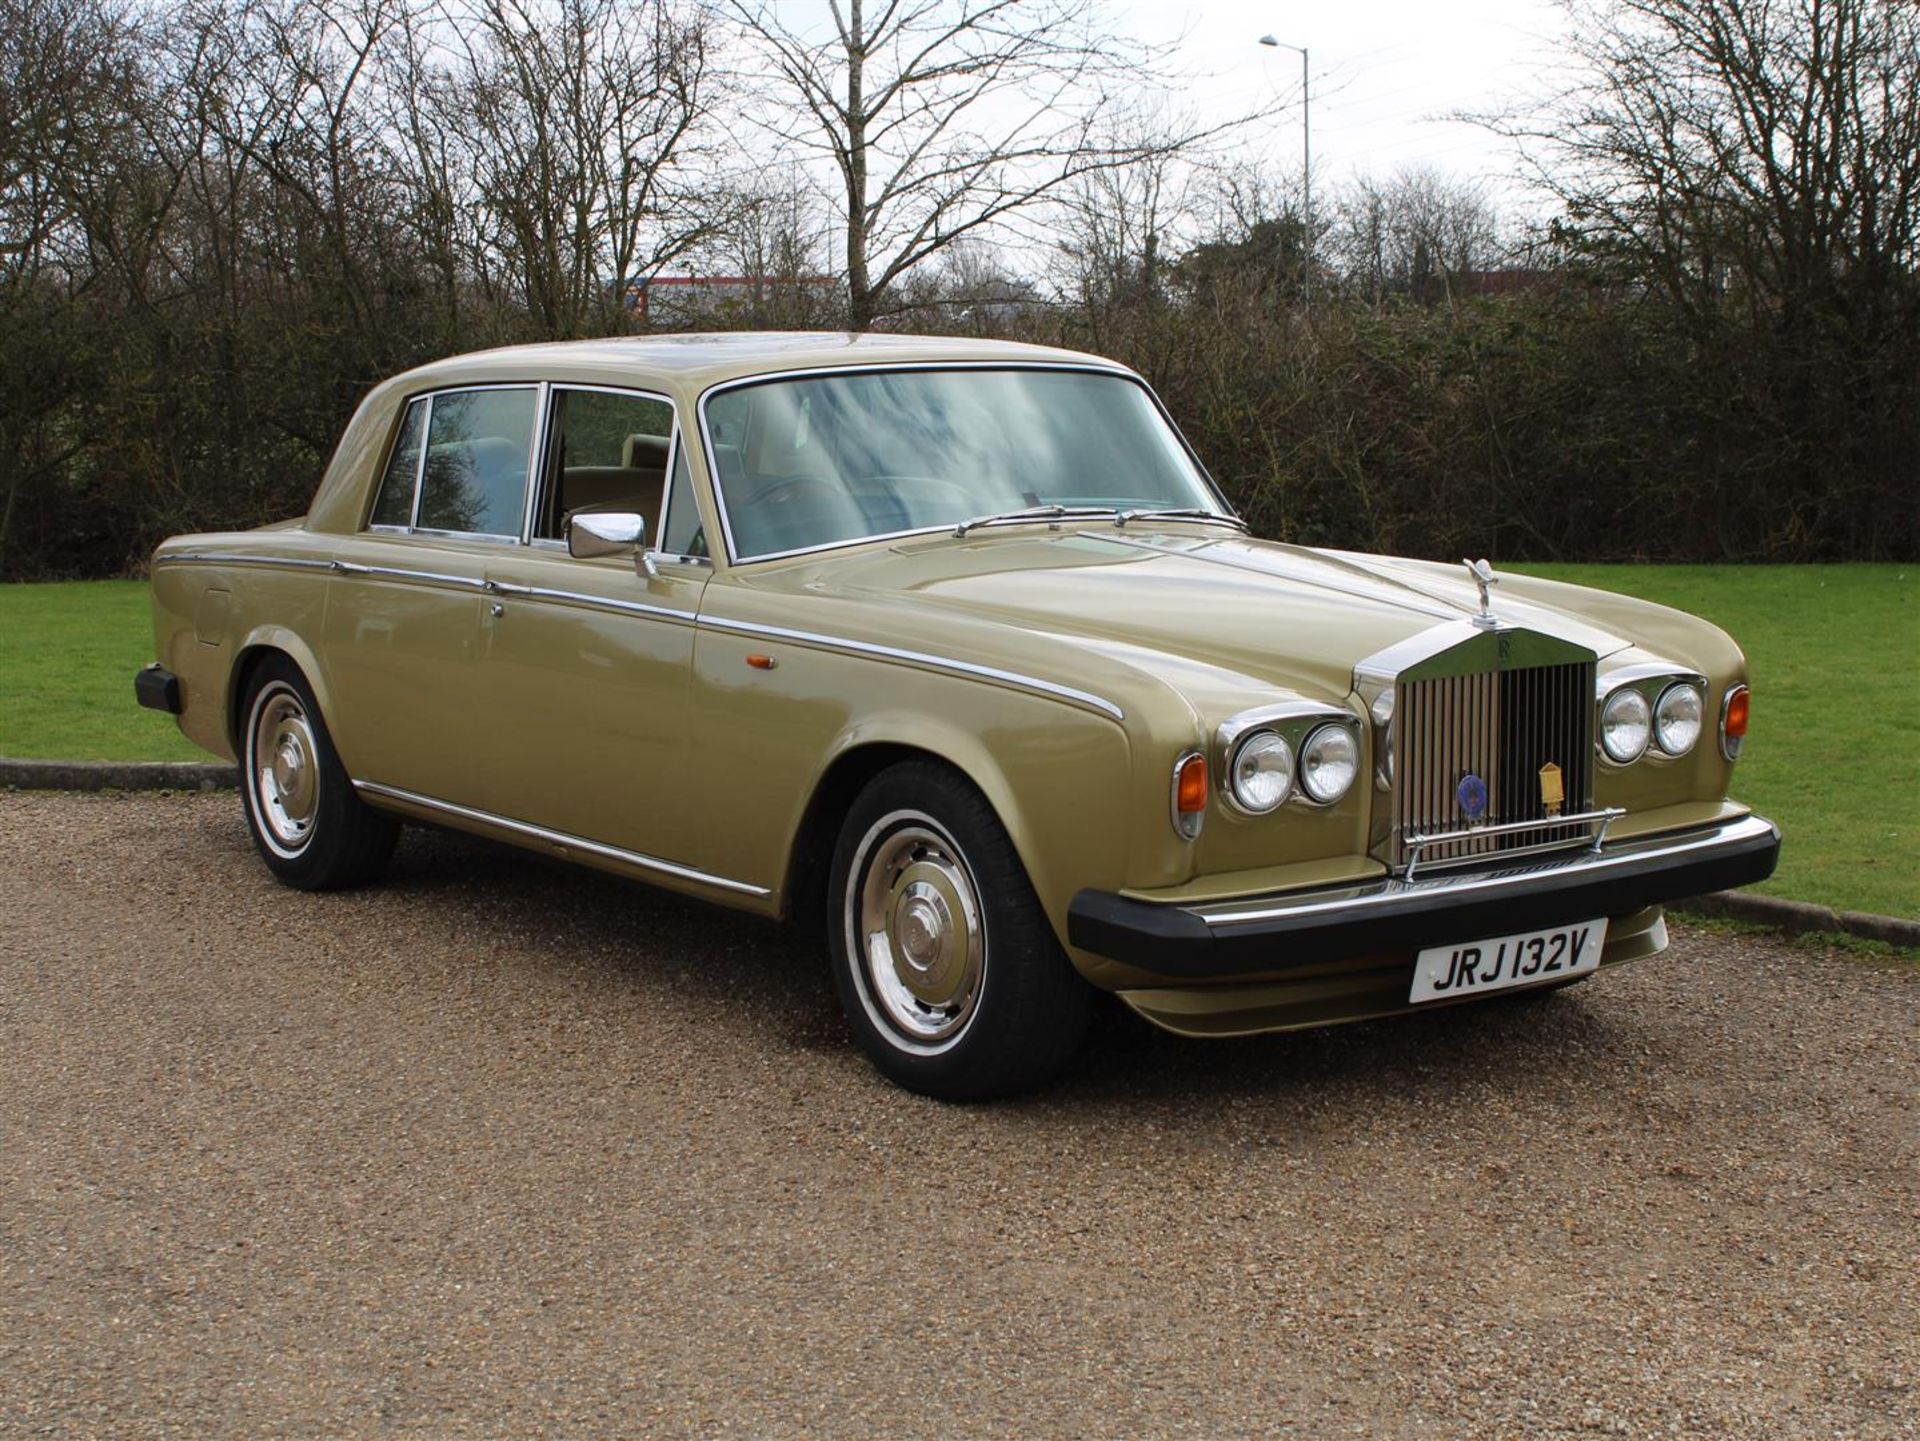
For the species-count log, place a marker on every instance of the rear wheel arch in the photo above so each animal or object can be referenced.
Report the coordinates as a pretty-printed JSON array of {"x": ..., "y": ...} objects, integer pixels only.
[{"x": 261, "y": 644}]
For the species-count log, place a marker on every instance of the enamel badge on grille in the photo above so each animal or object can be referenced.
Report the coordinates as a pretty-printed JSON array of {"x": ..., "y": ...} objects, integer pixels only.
[
  {"x": 1472, "y": 795},
  {"x": 1553, "y": 790}
]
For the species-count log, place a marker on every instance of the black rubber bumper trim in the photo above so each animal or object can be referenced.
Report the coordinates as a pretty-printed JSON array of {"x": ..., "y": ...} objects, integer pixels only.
[
  {"x": 157, "y": 688},
  {"x": 1173, "y": 941}
]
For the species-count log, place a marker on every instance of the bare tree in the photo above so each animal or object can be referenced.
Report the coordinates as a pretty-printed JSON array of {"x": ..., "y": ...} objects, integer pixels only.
[
  {"x": 1770, "y": 145},
  {"x": 1411, "y": 235},
  {"x": 1120, "y": 225},
  {"x": 941, "y": 119},
  {"x": 580, "y": 117},
  {"x": 775, "y": 236}
]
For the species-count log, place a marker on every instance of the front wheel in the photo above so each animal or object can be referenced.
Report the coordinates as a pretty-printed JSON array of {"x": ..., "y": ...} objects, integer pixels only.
[
  {"x": 310, "y": 827},
  {"x": 948, "y": 970}
]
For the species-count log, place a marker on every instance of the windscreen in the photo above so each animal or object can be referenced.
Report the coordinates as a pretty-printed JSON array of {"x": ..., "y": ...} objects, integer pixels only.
[{"x": 823, "y": 460}]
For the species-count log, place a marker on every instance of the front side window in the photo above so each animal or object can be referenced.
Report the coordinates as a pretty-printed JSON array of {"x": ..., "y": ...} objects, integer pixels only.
[
  {"x": 824, "y": 460},
  {"x": 609, "y": 453},
  {"x": 478, "y": 446}
]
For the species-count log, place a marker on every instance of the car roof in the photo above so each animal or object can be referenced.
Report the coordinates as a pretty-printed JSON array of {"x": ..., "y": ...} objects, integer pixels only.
[{"x": 697, "y": 360}]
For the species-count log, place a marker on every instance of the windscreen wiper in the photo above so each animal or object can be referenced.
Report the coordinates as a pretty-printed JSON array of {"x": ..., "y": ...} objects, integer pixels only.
[
  {"x": 1177, "y": 512},
  {"x": 1031, "y": 512}
]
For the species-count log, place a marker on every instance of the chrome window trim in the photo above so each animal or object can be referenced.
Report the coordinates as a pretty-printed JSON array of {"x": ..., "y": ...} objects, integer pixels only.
[
  {"x": 485, "y": 537},
  {"x": 920, "y": 658},
  {"x": 561, "y": 838},
  {"x": 537, "y": 458},
  {"x": 911, "y": 367}
]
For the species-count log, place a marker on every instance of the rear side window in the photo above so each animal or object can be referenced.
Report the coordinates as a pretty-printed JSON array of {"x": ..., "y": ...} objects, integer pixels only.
[
  {"x": 478, "y": 444},
  {"x": 394, "y": 505}
]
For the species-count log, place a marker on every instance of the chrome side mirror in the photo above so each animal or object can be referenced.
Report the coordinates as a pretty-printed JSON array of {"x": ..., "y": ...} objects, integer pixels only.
[{"x": 605, "y": 532}]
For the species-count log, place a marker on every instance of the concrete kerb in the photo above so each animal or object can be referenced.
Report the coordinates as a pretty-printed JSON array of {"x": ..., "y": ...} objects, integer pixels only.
[
  {"x": 1799, "y": 917},
  {"x": 1795, "y": 917},
  {"x": 118, "y": 775}
]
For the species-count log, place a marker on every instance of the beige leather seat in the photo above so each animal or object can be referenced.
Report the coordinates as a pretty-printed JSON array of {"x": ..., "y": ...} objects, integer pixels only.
[{"x": 637, "y": 485}]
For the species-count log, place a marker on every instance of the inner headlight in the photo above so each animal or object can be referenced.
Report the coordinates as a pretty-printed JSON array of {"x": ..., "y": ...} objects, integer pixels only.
[
  {"x": 1626, "y": 724},
  {"x": 1261, "y": 772},
  {"x": 1676, "y": 718},
  {"x": 1329, "y": 760}
]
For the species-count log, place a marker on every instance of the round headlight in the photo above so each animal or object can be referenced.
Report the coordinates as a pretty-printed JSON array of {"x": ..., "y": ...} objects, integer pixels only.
[
  {"x": 1329, "y": 760},
  {"x": 1676, "y": 718},
  {"x": 1626, "y": 723},
  {"x": 1261, "y": 772}
]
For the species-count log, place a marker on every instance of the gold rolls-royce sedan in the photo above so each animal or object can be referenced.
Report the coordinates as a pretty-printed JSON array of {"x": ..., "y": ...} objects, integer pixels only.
[{"x": 953, "y": 649}]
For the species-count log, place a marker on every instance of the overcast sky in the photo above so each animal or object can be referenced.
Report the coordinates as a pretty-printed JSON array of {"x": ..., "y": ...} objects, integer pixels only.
[{"x": 1385, "y": 73}]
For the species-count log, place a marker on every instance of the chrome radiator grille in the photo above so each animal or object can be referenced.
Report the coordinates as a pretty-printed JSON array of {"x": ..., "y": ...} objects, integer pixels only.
[{"x": 1502, "y": 726}]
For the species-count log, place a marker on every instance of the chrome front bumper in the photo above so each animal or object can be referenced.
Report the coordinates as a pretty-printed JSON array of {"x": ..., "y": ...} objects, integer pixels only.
[{"x": 1265, "y": 934}]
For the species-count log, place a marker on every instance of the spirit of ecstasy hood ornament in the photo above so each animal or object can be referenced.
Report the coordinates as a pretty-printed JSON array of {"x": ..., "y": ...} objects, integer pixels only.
[{"x": 1484, "y": 577}]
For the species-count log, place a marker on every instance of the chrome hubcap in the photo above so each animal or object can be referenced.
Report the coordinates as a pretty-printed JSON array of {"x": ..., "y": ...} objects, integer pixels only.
[
  {"x": 284, "y": 768},
  {"x": 916, "y": 928}
]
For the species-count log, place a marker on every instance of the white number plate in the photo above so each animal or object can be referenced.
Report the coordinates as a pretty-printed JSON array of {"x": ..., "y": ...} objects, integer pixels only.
[{"x": 1443, "y": 972}]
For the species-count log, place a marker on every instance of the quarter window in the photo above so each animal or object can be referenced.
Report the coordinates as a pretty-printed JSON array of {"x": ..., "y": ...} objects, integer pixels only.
[
  {"x": 475, "y": 480},
  {"x": 394, "y": 505},
  {"x": 681, "y": 532}
]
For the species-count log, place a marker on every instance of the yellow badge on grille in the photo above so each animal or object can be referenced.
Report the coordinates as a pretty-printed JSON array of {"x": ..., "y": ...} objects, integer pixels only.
[{"x": 1552, "y": 792}]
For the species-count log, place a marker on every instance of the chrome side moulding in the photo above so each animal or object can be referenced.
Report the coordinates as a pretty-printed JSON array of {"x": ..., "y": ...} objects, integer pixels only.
[
  {"x": 591, "y": 602},
  {"x": 919, "y": 658},
  {"x": 423, "y": 577},
  {"x": 560, "y": 839},
  {"x": 216, "y": 557}
]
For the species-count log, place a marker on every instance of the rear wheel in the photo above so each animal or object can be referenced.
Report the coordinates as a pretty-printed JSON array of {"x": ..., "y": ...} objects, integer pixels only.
[
  {"x": 948, "y": 970},
  {"x": 310, "y": 827}
]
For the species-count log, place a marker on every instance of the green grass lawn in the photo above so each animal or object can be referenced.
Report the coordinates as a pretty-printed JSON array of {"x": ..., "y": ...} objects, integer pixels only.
[
  {"x": 67, "y": 657},
  {"x": 1834, "y": 755}
]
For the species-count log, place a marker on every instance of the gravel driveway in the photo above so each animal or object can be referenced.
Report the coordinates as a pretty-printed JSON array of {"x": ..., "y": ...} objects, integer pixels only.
[{"x": 499, "y": 1147}]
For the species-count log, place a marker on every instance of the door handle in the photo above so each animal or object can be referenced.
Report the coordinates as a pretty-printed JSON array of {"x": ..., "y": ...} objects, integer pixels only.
[{"x": 497, "y": 610}]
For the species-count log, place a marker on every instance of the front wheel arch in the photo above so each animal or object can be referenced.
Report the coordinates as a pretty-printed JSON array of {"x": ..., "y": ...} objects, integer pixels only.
[{"x": 810, "y": 857}]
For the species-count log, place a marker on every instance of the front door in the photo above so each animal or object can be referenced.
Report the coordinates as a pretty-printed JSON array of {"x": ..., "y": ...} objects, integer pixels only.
[{"x": 587, "y": 663}]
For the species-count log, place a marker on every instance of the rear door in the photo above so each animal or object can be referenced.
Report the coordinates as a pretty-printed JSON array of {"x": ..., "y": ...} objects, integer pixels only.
[{"x": 403, "y": 631}]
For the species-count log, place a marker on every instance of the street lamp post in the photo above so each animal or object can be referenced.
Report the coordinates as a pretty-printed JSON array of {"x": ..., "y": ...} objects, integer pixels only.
[{"x": 1306, "y": 156}]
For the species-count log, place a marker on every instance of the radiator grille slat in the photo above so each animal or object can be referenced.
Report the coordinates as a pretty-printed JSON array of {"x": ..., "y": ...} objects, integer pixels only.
[{"x": 1502, "y": 726}]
